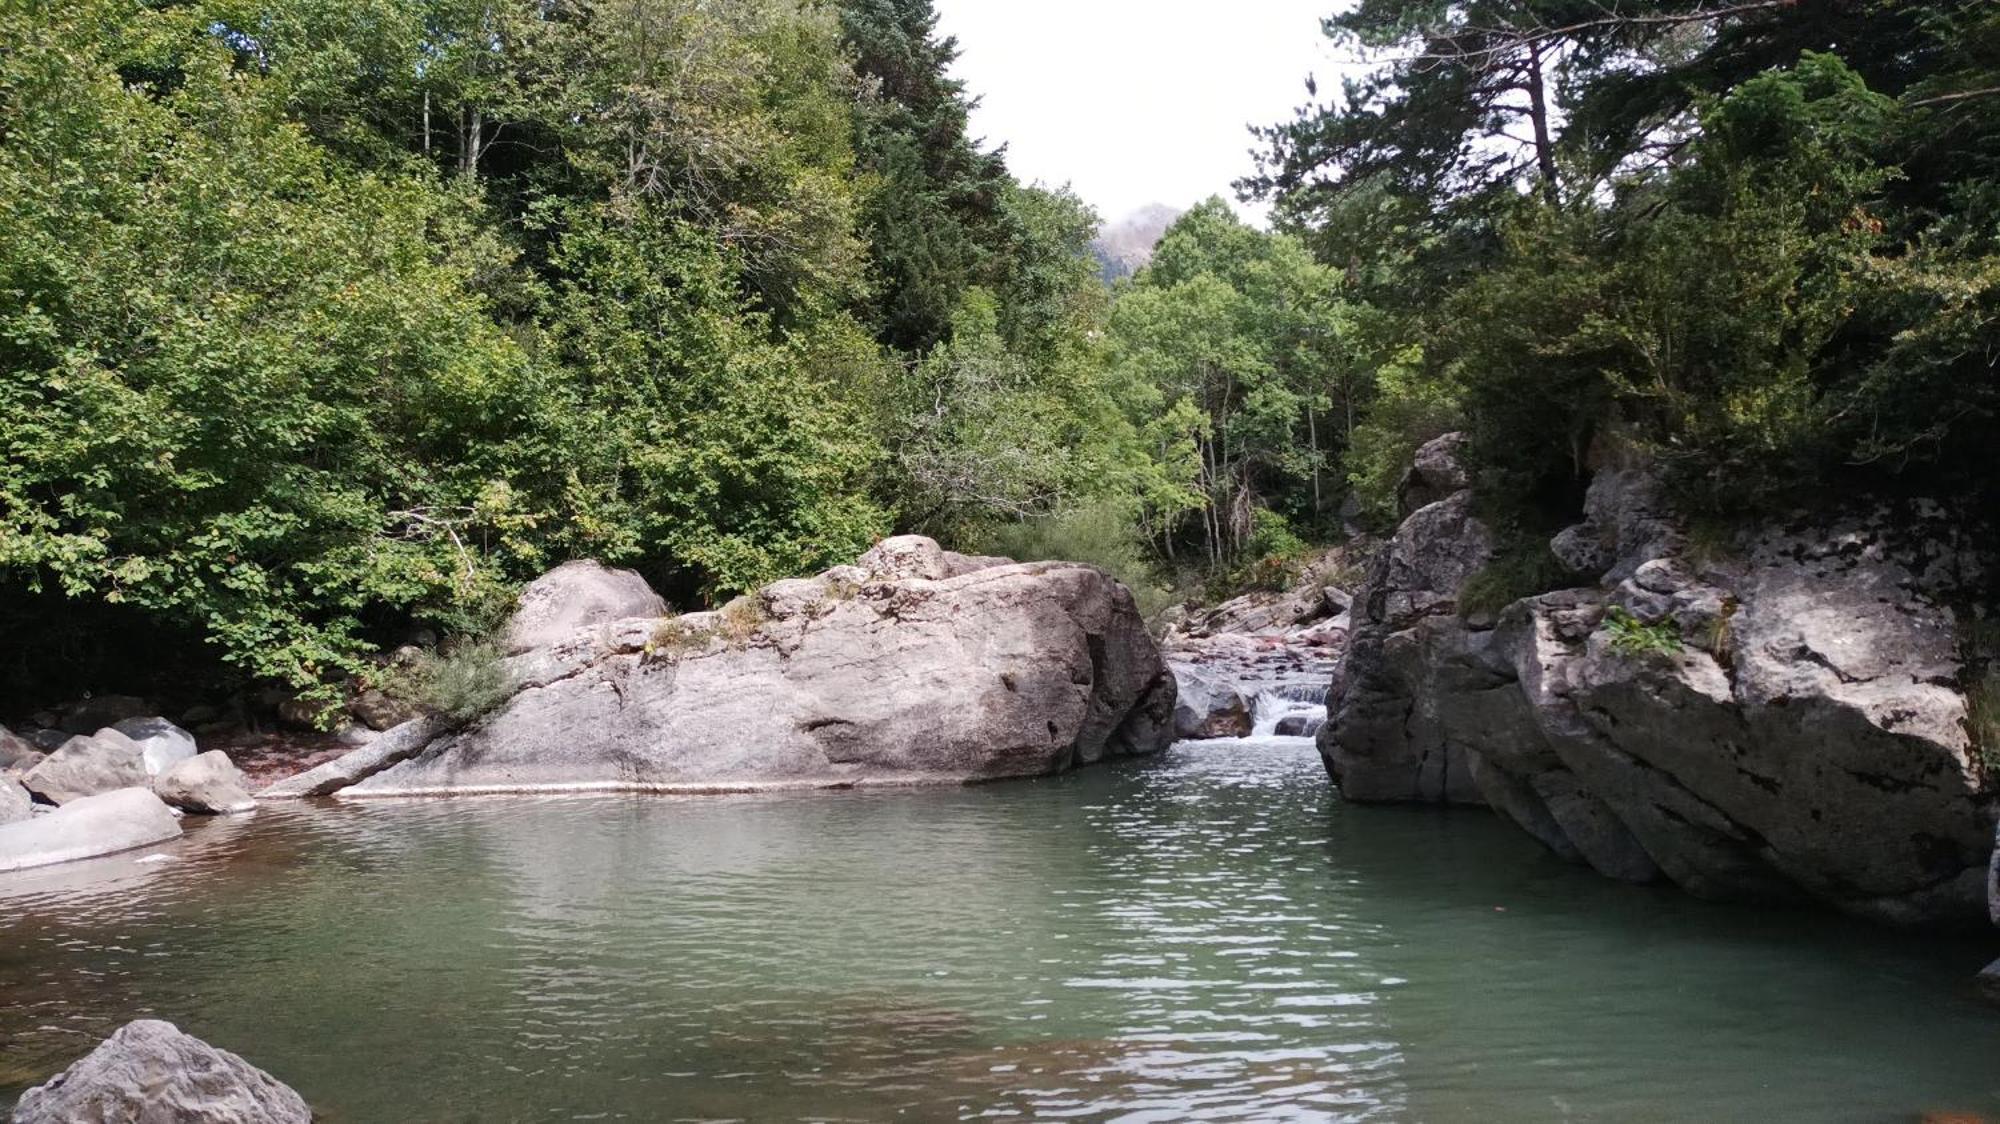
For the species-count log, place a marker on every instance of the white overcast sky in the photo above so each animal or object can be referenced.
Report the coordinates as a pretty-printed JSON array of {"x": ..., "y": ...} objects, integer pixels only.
[{"x": 1136, "y": 101}]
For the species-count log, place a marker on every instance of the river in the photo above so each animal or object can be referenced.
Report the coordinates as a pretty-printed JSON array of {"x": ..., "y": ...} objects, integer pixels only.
[{"x": 1207, "y": 936}]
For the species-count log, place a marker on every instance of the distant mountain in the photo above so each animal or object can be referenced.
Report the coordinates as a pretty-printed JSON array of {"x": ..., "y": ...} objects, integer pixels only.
[{"x": 1124, "y": 247}]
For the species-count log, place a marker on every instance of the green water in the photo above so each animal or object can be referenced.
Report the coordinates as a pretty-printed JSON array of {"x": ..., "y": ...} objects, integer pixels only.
[{"x": 1206, "y": 937}]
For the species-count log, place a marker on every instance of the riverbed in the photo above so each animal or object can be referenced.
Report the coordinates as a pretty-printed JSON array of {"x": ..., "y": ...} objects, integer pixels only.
[{"x": 1207, "y": 936}]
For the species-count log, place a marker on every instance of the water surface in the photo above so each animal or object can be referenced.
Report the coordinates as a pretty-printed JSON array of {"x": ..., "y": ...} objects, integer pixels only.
[{"x": 1210, "y": 936}]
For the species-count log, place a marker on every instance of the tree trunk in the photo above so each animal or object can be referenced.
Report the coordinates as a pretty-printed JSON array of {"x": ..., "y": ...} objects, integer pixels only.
[{"x": 1538, "y": 113}]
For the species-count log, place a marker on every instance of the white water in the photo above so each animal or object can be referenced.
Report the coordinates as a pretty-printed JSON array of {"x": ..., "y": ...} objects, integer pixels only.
[{"x": 1305, "y": 700}]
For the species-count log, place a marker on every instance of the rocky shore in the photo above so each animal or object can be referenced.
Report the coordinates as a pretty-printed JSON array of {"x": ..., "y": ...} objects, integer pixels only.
[{"x": 1786, "y": 716}]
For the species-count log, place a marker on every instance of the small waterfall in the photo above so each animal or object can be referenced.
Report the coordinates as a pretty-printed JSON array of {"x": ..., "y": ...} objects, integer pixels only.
[{"x": 1304, "y": 701}]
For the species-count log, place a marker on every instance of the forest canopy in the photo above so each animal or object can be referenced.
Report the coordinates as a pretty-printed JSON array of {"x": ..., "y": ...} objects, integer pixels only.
[{"x": 325, "y": 321}]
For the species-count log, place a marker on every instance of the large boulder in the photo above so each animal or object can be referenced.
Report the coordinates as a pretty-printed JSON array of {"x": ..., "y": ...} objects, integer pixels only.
[
  {"x": 577, "y": 595},
  {"x": 207, "y": 785},
  {"x": 866, "y": 674},
  {"x": 149, "y": 1072},
  {"x": 86, "y": 828},
  {"x": 87, "y": 765},
  {"x": 160, "y": 742},
  {"x": 1777, "y": 720},
  {"x": 1437, "y": 472},
  {"x": 378, "y": 711}
]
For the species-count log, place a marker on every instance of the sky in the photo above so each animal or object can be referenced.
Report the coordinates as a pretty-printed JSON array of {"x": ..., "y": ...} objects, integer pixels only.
[{"x": 1133, "y": 102}]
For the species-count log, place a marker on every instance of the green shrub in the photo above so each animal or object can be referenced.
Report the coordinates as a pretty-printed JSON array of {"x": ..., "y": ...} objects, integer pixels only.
[
  {"x": 1633, "y": 637},
  {"x": 1099, "y": 534},
  {"x": 464, "y": 679},
  {"x": 1518, "y": 570}
]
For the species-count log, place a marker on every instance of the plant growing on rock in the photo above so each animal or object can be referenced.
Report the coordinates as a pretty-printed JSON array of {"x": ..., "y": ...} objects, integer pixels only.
[
  {"x": 464, "y": 679},
  {"x": 1634, "y": 638}
]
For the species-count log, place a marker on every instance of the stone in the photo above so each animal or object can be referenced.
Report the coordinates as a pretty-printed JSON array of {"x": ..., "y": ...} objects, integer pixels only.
[
  {"x": 86, "y": 828},
  {"x": 162, "y": 743},
  {"x": 208, "y": 784},
  {"x": 15, "y": 802},
  {"x": 101, "y": 711},
  {"x": 1299, "y": 725},
  {"x": 1208, "y": 706},
  {"x": 1389, "y": 733},
  {"x": 149, "y": 1072},
  {"x": 47, "y": 739},
  {"x": 1437, "y": 473},
  {"x": 87, "y": 765},
  {"x": 575, "y": 596},
  {"x": 391, "y": 748},
  {"x": 377, "y": 711},
  {"x": 1806, "y": 742},
  {"x": 991, "y": 671},
  {"x": 1988, "y": 982},
  {"x": 14, "y": 750}
]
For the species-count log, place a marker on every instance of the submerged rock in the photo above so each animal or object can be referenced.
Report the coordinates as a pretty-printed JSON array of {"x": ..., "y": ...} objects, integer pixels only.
[
  {"x": 208, "y": 784},
  {"x": 1779, "y": 724},
  {"x": 917, "y": 665},
  {"x": 86, "y": 828},
  {"x": 87, "y": 765},
  {"x": 577, "y": 595},
  {"x": 149, "y": 1072}
]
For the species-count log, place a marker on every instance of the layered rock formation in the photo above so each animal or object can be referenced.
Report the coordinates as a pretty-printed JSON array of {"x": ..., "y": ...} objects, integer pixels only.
[
  {"x": 1779, "y": 718},
  {"x": 151, "y": 1071},
  {"x": 914, "y": 665}
]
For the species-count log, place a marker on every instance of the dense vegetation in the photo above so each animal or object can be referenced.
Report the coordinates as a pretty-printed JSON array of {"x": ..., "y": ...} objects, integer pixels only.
[
  {"x": 1756, "y": 242},
  {"x": 321, "y": 320}
]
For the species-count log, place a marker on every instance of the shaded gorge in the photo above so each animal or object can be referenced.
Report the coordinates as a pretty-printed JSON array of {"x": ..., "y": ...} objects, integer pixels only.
[{"x": 1210, "y": 935}]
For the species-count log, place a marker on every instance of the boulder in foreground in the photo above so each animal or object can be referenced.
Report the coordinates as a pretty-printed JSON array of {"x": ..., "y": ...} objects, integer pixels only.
[
  {"x": 917, "y": 665},
  {"x": 149, "y": 1072},
  {"x": 86, "y": 828},
  {"x": 577, "y": 595},
  {"x": 87, "y": 765},
  {"x": 207, "y": 785}
]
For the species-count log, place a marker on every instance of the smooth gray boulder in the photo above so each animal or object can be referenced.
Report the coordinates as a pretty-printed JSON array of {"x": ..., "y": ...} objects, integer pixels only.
[
  {"x": 378, "y": 711},
  {"x": 15, "y": 802},
  {"x": 207, "y": 784},
  {"x": 87, "y": 765},
  {"x": 862, "y": 675},
  {"x": 86, "y": 828},
  {"x": 1778, "y": 720},
  {"x": 149, "y": 1072},
  {"x": 577, "y": 595},
  {"x": 162, "y": 743}
]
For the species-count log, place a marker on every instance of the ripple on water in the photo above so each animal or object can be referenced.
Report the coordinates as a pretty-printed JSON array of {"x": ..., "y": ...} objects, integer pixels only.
[{"x": 1208, "y": 937}]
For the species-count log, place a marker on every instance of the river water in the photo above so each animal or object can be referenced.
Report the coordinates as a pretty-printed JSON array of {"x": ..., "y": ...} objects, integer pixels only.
[{"x": 1208, "y": 936}]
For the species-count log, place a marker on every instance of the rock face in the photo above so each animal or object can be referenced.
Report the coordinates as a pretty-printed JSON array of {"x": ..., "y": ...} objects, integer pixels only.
[
  {"x": 86, "y": 828},
  {"x": 14, "y": 750},
  {"x": 914, "y": 665},
  {"x": 207, "y": 785},
  {"x": 149, "y": 1072},
  {"x": 1783, "y": 723},
  {"x": 88, "y": 765},
  {"x": 393, "y": 747},
  {"x": 160, "y": 742},
  {"x": 578, "y": 595}
]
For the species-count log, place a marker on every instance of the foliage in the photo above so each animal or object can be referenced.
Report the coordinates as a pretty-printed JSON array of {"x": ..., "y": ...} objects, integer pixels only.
[
  {"x": 465, "y": 679},
  {"x": 1634, "y": 638},
  {"x": 1521, "y": 567}
]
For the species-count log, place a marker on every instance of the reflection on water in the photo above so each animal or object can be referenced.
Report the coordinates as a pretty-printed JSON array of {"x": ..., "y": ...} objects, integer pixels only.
[{"x": 1208, "y": 937}]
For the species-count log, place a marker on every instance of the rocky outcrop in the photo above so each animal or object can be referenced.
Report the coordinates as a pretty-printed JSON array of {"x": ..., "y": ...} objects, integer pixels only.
[
  {"x": 915, "y": 665},
  {"x": 391, "y": 748},
  {"x": 207, "y": 785},
  {"x": 86, "y": 828},
  {"x": 87, "y": 765},
  {"x": 1782, "y": 720},
  {"x": 578, "y": 595},
  {"x": 149, "y": 1071}
]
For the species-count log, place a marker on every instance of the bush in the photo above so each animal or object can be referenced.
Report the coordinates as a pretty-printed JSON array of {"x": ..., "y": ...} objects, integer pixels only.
[
  {"x": 1100, "y": 534},
  {"x": 464, "y": 679},
  {"x": 1633, "y": 637}
]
